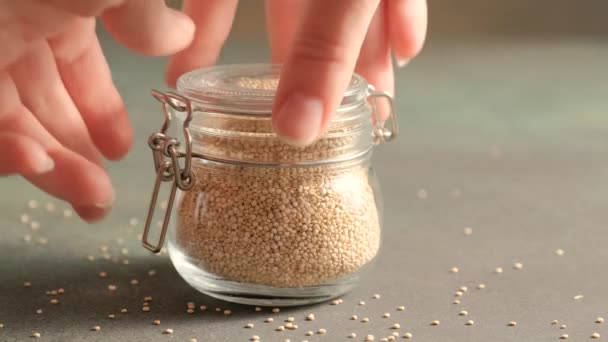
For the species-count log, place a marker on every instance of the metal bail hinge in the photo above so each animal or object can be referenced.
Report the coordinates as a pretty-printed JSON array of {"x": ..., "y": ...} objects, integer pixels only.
[
  {"x": 381, "y": 132},
  {"x": 166, "y": 163}
]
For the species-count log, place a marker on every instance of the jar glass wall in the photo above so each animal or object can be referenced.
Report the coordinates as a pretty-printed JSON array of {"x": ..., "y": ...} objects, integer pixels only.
[{"x": 256, "y": 220}]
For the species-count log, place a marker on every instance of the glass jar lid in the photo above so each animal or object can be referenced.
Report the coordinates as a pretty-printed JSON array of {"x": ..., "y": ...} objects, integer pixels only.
[{"x": 247, "y": 88}]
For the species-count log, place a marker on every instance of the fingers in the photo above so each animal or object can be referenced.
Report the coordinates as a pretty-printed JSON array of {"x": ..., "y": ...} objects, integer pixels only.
[
  {"x": 213, "y": 20},
  {"x": 73, "y": 178},
  {"x": 374, "y": 61},
  {"x": 282, "y": 21},
  {"x": 407, "y": 28},
  {"x": 319, "y": 67},
  {"x": 149, "y": 27},
  {"x": 79, "y": 60},
  {"x": 43, "y": 93},
  {"x": 23, "y": 155}
]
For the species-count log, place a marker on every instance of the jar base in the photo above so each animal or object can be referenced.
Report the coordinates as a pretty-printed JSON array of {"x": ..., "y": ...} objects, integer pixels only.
[{"x": 254, "y": 294}]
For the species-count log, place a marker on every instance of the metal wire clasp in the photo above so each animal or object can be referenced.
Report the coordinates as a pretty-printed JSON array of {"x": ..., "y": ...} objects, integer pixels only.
[
  {"x": 381, "y": 132},
  {"x": 166, "y": 162}
]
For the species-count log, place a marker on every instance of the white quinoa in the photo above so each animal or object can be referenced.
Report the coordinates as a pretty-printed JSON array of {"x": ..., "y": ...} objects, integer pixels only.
[{"x": 283, "y": 227}]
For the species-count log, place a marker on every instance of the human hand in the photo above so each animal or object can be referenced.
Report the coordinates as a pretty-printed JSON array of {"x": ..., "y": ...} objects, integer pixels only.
[
  {"x": 60, "y": 112},
  {"x": 320, "y": 43}
]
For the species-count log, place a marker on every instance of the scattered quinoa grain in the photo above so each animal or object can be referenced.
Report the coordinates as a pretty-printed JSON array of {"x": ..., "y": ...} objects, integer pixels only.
[
  {"x": 376, "y": 296},
  {"x": 156, "y": 322},
  {"x": 563, "y": 326},
  {"x": 91, "y": 258},
  {"x": 498, "y": 270},
  {"x": 468, "y": 231},
  {"x": 147, "y": 299},
  {"x": 54, "y": 301},
  {"x": 103, "y": 274},
  {"x": 1, "y": 325},
  {"x": 39, "y": 311},
  {"x": 290, "y": 319},
  {"x": 369, "y": 338},
  {"x": 554, "y": 322},
  {"x": 134, "y": 282},
  {"x": 365, "y": 320},
  {"x": 276, "y": 310},
  {"x": 124, "y": 310},
  {"x": 32, "y": 204},
  {"x": 36, "y": 335},
  {"x": 145, "y": 309},
  {"x": 458, "y": 293},
  {"x": 34, "y": 225},
  {"x": 96, "y": 328},
  {"x": 599, "y": 320},
  {"x": 455, "y": 301},
  {"x": 395, "y": 334},
  {"x": 227, "y": 312},
  {"x": 396, "y": 326},
  {"x": 309, "y": 333},
  {"x": 384, "y": 339},
  {"x": 408, "y": 335},
  {"x": 202, "y": 307},
  {"x": 386, "y": 315},
  {"x": 518, "y": 265},
  {"x": 422, "y": 194},
  {"x": 595, "y": 335},
  {"x": 280, "y": 328},
  {"x": 577, "y": 297},
  {"x": 61, "y": 291},
  {"x": 67, "y": 213},
  {"x": 361, "y": 303},
  {"x": 401, "y": 308},
  {"x": 112, "y": 287},
  {"x": 463, "y": 313},
  {"x": 512, "y": 324},
  {"x": 469, "y": 322},
  {"x": 291, "y": 326},
  {"x": 255, "y": 338},
  {"x": 352, "y": 335},
  {"x": 249, "y": 326},
  {"x": 454, "y": 270},
  {"x": 269, "y": 320},
  {"x": 111, "y": 316},
  {"x": 25, "y": 218},
  {"x": 464, "y": 289},
  {"x": 564, "y": 337},
  {"x": 354, "y": 317},
  {"x": 481, "y": 286},
  {"x": 258, "y": 309},
  {"x": 50, "y": 207},
  {"x": 560, "y": 252},
  {"x": 190, "y": 311},
  {"x": 193, "y": 340},
  {"x": 310, "y": 317},
  {"x": 435, "y": 323},
  {"x": 133, "y": 222},
  {"x": 152, "y": 272},
  {"x": 168, "y": 331}
]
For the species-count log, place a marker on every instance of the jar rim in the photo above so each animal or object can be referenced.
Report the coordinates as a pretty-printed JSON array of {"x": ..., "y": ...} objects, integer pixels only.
[{"x": 248, "y": 89}]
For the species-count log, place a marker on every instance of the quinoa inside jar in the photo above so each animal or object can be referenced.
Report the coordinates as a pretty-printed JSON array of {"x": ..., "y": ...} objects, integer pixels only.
[{"x": 256, "y": 220}]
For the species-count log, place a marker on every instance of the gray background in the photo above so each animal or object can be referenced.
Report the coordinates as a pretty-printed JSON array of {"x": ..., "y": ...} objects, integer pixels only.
[{"x": 507, "y": 104}]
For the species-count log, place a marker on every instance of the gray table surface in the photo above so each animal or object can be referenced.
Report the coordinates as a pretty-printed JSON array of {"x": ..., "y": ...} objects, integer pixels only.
[{"x": 519, "y": 129}]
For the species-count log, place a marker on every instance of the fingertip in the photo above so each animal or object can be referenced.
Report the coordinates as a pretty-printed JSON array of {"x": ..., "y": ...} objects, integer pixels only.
[{"x": 299, "y": 120}]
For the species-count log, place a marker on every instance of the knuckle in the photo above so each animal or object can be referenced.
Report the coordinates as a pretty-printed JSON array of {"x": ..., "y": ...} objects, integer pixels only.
[{"x": 318, "y": 48}]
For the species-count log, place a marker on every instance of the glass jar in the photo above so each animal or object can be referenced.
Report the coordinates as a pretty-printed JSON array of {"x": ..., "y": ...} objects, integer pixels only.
[{"x": 252, "y": 219}]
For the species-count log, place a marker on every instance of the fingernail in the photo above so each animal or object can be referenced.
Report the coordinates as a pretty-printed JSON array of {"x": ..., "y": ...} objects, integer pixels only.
[
  {"x": 107, "y": 204},
  {"x": 91, "y": 214},
  {"x": 45, "y": 164},
  {"x": 401, "y": 62},
  {"x": 298, "y": 121}
]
